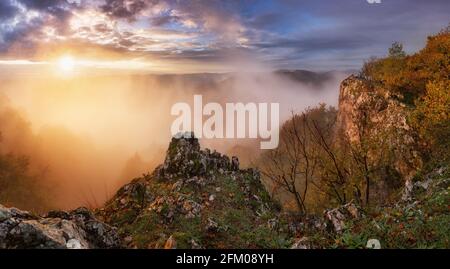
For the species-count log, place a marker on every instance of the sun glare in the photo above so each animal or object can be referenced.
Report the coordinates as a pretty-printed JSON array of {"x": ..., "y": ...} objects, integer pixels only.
[{"x": 66, "y": 64}]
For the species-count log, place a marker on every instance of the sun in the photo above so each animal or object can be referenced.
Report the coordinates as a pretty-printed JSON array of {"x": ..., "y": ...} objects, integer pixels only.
[{"x": 66, "y": 64}]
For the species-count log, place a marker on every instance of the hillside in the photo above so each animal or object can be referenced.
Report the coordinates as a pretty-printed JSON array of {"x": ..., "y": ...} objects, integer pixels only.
[
  {"x": 420, "y": 221},
  {"x": 196, "y": 199}
]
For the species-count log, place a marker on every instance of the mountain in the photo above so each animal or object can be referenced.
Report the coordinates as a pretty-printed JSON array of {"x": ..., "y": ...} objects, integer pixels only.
[{"x": 315, "y": 79}]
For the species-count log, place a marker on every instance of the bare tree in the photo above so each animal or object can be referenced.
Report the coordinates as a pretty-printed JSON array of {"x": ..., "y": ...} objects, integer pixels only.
[
  {"x": 334, "y": 175},
  {"x": 292, "y": 166}
]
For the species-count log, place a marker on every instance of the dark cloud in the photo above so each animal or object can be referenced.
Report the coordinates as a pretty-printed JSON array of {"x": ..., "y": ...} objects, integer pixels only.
[
  {"x": 308, "y": 44},
  {"x": 7, "y": 10},
  {"x": 127, "y": 9},
  {"x": 266, "y": 20},
  {"x": 53, "y": 13},
  {"x": 163, "y": 20},
  {"x": 43, "y": 4},
  {"x": 59, "y": 8},
  {"x": 212, "y": 16}
]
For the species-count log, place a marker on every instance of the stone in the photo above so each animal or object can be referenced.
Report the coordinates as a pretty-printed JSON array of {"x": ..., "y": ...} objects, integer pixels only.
[
  {"x": 338, "y": 216},
  {"x": 78, "y": 229},
  {"x": 212, "y": 226},
  {"x": 373, "y": 244},
  {"x": 195, "y": 245},
  {"x": 73, "y": 244},
  {"x": 302, "y": 243}
]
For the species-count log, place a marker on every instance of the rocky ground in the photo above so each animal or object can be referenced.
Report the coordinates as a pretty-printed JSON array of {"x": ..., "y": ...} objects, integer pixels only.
[
  {"x": 197, "y": 199},
  {"x": 420, "y": 219},
  {"x": 78, "y": 229}
]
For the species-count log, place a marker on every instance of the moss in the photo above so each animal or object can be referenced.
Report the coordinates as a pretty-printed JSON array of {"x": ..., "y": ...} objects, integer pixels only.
[
  {"x": 124, "y": 217},
  {"x": 144, "y": 230}
]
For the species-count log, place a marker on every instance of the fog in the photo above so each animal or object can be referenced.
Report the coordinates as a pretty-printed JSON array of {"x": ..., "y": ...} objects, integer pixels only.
[{"x": 91, "y": 134}]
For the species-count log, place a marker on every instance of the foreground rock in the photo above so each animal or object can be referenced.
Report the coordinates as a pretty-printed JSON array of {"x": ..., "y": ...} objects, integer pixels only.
[
  {"x": 77, "y": 229},
  {"x": 340, "y": 215},
  {"x": 197, "y": 199}
]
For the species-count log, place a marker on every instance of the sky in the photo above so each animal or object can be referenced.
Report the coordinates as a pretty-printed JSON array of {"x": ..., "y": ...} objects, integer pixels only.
[{"x": 211, "y": 35}]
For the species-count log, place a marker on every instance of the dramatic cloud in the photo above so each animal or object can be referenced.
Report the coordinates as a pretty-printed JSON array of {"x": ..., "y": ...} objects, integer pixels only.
[
  {"x": 124, "y": 8},
  {"x": 283, "y": 34}
]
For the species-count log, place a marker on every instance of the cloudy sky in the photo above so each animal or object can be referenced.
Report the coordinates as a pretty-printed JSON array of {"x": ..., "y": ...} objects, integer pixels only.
[{"x": 210, "y": 35}]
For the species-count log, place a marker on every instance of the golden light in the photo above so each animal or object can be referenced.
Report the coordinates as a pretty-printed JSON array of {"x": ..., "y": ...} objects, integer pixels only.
[{"x": 66, "y": 64}]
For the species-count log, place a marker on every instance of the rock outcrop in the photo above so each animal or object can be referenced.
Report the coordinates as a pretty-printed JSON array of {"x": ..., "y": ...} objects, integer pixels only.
[
  {"x": 338, "y": 216},
  {"x": 78, "y": 229},
  {"x": 382, "y": 118},
  {"x": 185, "y": 159},
  {"x": 198, "y": 199}
]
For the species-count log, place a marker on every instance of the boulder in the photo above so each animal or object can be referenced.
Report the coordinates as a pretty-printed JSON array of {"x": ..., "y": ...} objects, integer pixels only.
[
  {"x": 77, "y": 229},
  {"x": 302, "y": 243},
  {"x": 338, "y": 216}
]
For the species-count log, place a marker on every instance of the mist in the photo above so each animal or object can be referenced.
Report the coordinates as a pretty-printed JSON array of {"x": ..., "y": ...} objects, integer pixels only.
[{"x": 89, "y": 134}]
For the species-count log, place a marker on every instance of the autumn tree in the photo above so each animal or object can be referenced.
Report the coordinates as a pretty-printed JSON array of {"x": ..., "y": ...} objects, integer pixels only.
[
  {"x": 408, "y": 75},
  {"x": 293, "y": 166},
  {"x": 432, "y": 117}
]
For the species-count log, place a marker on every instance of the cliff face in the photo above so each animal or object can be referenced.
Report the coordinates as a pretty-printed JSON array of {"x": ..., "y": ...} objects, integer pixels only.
[{"x": 366, "y": 113}]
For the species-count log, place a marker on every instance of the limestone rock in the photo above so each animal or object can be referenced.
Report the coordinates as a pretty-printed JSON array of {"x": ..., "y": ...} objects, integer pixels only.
[
  {"x": 185, "y": 159},
  {"x": 383, "y": 117},
  {"x": 77, "y": 229},
  {"x": 373, "y": 244},
  {"x": 302, "y": 243},
  {"x": 338, "y": 216}
]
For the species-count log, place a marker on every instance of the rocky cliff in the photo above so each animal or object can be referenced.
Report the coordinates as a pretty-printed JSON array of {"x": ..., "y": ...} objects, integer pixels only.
[{"x": 375, "y": 114}]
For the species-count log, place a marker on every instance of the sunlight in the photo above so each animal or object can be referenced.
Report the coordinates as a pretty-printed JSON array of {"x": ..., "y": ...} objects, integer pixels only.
[{"x": 66, "y": 64}]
